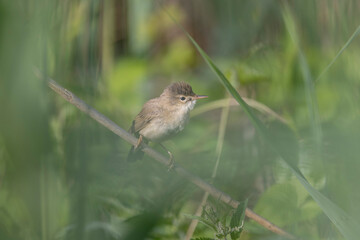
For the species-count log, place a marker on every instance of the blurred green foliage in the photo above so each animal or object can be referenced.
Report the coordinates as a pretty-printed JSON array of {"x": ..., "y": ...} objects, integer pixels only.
[{"x": 62, "y": 176}]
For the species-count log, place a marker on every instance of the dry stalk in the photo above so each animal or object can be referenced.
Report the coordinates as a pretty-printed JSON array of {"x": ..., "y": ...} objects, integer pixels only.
[{"x": 97, "y": 116}]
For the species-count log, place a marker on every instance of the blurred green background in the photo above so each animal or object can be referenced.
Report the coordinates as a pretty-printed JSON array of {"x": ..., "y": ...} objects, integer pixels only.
[{"x": 63, "y": 176}]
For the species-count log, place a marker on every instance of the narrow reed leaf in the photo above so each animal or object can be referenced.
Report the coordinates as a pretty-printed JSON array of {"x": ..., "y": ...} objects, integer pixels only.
[
  {"x": 346, "y": 45},
  {"x": 345, "y": 224},
  {"x": 202, "y": 220},
  {"x": 310, "y": 94},
  {"x": 348, "y": 227}
]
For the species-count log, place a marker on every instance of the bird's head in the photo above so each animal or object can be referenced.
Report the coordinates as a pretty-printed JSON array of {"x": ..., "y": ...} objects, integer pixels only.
[{"x": 181, "y": 95}]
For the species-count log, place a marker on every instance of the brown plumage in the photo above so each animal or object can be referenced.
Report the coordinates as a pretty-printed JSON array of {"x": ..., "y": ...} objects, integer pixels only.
[
  {"x": 179, "y": 88},
  {"x": 164, "y": 116}
]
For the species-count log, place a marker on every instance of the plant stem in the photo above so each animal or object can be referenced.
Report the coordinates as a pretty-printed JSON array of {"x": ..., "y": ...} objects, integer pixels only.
[{"x": 97, "y": 116}]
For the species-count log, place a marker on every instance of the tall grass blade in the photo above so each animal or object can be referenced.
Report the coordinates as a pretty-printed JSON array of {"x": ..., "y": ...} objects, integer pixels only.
[
  {"x": 348, "y": 227},
  {"x": 227, "y": 85},
  {"x": 345, "y": 224},
  {"x": 346, "y": 45},
  {"x": 308, "y": 81}
]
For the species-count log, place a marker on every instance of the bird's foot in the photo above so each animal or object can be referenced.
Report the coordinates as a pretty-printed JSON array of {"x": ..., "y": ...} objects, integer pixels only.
[
  {"x": 171, "y": 161},
  {"x": 139, "y": 143}
]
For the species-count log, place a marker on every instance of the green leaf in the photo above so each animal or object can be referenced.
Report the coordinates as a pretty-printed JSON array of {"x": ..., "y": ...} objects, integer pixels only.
[
  {"x": 210, "y": 213},
  {"x": 310, "y": 95},
  {"x": 202, "y": 220},
  {"x": 353, "y": 36},
  {"x": 237, "y": 220},
  {"x": 287, "y": 203},
  {"x": 346, "y": 225}
]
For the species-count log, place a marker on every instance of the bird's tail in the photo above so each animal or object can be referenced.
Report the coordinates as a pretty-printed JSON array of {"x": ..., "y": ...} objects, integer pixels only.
[{"x": 134, "y": 154}]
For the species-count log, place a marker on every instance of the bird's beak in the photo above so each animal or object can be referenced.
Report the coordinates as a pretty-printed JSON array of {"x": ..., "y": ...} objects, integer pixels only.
[{"x": 200, "y": 96}]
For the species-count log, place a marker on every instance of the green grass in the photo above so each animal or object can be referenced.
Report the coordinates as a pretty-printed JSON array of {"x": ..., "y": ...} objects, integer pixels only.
[
  {"x": 288, "y": 143},
  {"x": 346, "y": 224}
]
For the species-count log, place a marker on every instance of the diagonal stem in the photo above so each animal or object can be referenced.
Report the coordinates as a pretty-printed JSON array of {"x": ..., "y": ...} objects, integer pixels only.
[{"x": 100, "y": 118}]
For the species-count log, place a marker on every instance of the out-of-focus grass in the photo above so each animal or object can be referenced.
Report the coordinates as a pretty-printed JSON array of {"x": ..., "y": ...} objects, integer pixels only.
[
  {"x": 63, "y": 176},
  {"x": 346, "y": 225}
]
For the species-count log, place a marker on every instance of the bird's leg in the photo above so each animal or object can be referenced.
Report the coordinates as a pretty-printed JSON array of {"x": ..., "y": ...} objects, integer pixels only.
[
  {"x": 138, "y": 144},
  {"x": 171, "y": 157}
]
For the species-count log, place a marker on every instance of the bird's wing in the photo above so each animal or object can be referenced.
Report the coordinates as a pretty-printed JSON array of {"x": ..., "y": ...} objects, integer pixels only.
[{"x": 150, "y": 111}]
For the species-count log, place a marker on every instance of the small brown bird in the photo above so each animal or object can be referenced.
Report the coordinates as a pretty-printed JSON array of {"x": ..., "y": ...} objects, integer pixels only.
[{"x": 163, "y": 117}]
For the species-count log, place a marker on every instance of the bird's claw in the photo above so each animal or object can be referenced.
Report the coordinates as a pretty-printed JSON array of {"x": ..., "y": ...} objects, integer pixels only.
[
  {"x": 139, "y": 143},
  {"x": 171, "y": 161}
]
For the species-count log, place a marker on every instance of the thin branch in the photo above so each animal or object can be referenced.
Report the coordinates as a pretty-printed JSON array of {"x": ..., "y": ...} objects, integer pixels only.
[
  {"x": 251, "y": 102},
  {"x": 71, "y": 98}
]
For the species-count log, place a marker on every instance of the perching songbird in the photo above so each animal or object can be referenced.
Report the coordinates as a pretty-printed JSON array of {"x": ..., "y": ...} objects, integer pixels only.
[{"x": 163, "y": 117}]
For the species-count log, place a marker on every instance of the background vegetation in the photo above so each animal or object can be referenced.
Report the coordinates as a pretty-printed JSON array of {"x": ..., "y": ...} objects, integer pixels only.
[{"x": 63, "y": 176}]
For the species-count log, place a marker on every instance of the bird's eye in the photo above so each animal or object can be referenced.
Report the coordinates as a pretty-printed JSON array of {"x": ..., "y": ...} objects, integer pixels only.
[{"x": 182, "y": 98}]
